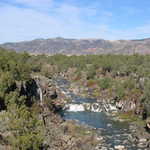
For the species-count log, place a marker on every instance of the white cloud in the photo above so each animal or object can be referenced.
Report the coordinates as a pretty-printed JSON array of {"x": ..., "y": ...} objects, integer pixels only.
[
  {"x": 35, "y": 3},
  {"x": 26, "y": 23},
  {"x": 65, "y": 20},
  {"x": 20, "y": 24}
]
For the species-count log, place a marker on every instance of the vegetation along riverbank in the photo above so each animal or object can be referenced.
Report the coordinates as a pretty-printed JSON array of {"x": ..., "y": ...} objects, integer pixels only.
[{"x": 30, "y": 101}]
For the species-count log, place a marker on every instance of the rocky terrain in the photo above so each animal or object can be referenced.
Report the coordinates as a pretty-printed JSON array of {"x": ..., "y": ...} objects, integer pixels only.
[
  {"x": 134, "y": 137},
  {"x": 80, "y": 46},
  {"x": 64, "y": 103},
  {"x": 58, "y": 133}
]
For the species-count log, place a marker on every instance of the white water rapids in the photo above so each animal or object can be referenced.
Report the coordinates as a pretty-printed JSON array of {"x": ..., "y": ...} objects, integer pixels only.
[{"x": 92, "y": 107}]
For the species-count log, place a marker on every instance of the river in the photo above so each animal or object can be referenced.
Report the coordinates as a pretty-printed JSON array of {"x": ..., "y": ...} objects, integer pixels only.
[{"x": 114, "y": 132}]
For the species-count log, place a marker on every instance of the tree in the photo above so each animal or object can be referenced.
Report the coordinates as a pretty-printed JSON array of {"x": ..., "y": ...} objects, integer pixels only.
[
  {"x": 26, "y": 129},
  {"x": 105, "y": 83},
  {"x": 146, "y": 96}
]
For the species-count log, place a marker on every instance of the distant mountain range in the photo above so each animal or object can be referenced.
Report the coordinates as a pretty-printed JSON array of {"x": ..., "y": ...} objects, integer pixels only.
[{"x": 80, "y": 46}]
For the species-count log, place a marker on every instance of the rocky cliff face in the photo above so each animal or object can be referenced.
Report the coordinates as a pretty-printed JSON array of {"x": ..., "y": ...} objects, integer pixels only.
[{"x": 81, "y": 47}]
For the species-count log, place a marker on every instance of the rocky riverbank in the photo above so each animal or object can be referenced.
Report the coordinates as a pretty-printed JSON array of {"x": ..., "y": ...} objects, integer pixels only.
[
  {"x": 139, "y": 136},
  {"x": 63, "y": 134},
  {"x": 58, "y": 133}
]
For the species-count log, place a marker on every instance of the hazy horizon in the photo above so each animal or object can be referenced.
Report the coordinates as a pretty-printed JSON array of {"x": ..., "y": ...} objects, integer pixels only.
[
  {"x": 25, "y": 20},
  {"x": 72, "y": 38}
]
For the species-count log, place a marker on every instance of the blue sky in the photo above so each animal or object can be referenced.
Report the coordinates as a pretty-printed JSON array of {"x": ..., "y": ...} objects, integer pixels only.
[{"x": 107, "y": 19}]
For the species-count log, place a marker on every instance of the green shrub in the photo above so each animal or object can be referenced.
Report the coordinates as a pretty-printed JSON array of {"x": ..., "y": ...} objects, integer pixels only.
[
  {"x": 105, "y": 83},
  {"x": 26, "y": 129},
  {"x": 119, "y": 90}
]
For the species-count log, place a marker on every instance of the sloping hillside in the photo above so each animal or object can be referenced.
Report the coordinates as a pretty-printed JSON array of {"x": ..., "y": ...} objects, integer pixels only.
[{"x": 81, "y": 46}]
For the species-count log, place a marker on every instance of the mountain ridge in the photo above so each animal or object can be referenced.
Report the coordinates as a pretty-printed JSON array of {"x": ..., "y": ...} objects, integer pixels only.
[{"x": 61, "y": 45}]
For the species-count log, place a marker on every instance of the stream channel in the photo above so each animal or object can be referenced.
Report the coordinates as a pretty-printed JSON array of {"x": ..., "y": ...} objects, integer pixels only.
[{"x": 114, "y": 132}]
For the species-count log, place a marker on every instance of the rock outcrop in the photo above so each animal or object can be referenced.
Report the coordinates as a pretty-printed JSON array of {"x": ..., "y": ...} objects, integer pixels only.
[{"x": 148, "y": 125}]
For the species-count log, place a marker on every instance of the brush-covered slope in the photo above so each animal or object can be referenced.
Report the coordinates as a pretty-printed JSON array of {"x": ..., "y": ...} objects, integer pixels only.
[{"x": 81, "y": 46}]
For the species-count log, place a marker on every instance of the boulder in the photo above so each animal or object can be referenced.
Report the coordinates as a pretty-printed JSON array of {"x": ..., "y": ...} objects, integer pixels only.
[
  {"x": 148, "y": 124},
  {"x": 120, "y": 147},
  {"x": 143, "y": 140}
]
